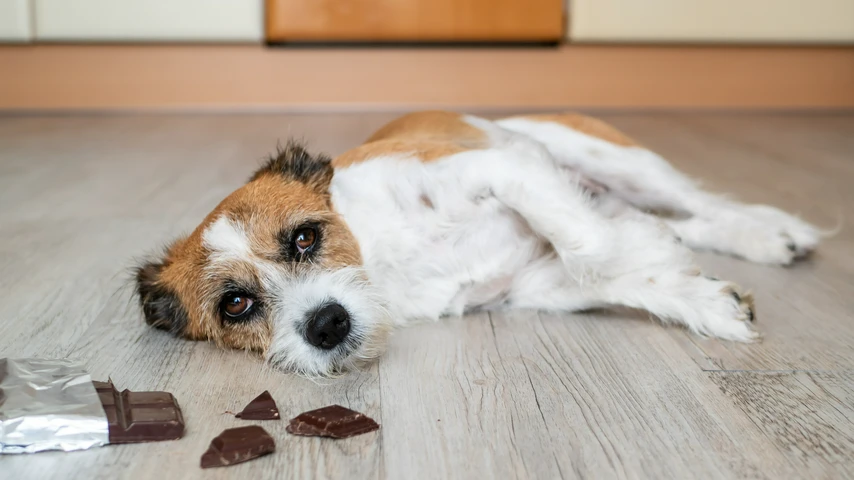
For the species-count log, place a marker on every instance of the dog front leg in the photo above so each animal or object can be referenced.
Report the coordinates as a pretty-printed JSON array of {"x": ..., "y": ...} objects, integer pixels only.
[{"x": 704, "y": 305}]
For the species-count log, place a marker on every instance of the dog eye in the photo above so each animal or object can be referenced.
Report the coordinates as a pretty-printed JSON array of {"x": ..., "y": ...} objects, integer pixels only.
[
  {"x": 236, "y": 305},
  {"x": 304, "y": 238}
]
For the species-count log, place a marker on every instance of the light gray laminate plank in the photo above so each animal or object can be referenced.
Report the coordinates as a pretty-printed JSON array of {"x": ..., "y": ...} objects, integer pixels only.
[
  {"x": 455, "y": 407},
  {"x": 620, "y": 399},
  {"x": 512, "y": 395},
  {"x": 809, "y": 416}
]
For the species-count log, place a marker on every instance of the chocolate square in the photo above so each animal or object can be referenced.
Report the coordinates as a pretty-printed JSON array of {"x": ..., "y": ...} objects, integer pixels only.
[
  {"x": 334, "y": 421},
  {"x": 238, "y": 445},
  {"x": 140, "y": 416}
]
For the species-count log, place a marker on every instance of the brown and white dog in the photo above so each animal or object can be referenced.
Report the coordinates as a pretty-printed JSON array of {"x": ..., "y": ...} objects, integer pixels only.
[{"x": 314, "y": 261}]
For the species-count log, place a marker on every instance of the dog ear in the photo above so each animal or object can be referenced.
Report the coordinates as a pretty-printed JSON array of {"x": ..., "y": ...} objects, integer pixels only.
[
  {"x": 295, "y": 163},
  {"x": 161, "y": 306}
]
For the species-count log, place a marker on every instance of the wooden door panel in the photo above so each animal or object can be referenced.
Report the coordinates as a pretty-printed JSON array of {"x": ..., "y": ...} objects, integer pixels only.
[{"x": 414, "y": 20}]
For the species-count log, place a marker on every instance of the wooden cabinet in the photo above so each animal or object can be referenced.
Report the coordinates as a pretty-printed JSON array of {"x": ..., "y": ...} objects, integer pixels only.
[
  {"x": 414, "y": 20},
  {"x": 15, "y": 21},
  {"x": 733, "y": 21},
  {"x": 149, "y": 20}
]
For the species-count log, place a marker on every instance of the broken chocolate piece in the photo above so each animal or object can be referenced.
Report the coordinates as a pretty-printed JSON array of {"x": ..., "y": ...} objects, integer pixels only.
[
  {"x": 334, "y": 421},
  {"x": 262, "y": 408},
  {"x": 140, "y": 416},
  {"x": 237, "y": 445}
]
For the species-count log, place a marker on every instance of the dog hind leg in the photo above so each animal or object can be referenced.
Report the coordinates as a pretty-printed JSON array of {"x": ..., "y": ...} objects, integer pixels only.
[{"x": 704, "y": 221}]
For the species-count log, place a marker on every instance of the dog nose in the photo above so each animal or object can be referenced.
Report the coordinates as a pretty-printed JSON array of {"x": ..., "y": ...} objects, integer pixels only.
[{"x": 328, "y": 326}]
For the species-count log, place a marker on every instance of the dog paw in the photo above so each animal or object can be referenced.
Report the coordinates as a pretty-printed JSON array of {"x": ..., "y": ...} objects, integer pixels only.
[
  {"x": 763, "y": 234},
  {"x": 769, "y": 246},
  {"x": 745, "y": 308},
  {"x": 728, "y": 313},
  {"x": 801, "y": 237}
]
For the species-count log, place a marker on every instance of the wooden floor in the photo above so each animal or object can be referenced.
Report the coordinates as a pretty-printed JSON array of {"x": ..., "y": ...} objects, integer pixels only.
[{"x": 497, "y": 395}]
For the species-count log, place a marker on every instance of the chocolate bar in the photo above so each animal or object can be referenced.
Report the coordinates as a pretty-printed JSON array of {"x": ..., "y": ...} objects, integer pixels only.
[
  {"x": 262, "y": 408},
  {"x": 140, "y": 416},
  {"x": 237, "y": 445},
  {"x": 334, "y": 421}
]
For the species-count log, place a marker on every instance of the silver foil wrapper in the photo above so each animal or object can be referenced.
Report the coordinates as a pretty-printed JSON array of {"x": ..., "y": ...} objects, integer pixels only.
[{"x": 49, "y": 405}]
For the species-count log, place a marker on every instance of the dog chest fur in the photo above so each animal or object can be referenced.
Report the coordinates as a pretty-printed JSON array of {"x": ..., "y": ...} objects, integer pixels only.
[{"x": 430, "y": 240}]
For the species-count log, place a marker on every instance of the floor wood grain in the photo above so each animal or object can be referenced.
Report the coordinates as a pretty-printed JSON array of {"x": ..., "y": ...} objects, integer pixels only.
[{"x": 491, "y": 395}]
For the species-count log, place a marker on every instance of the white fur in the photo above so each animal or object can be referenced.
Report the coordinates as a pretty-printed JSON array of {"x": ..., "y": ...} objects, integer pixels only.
[
  {"x": 227, "y": 240},
  {"x": 296, "y": 295},
  {"x": 506, "y": 225}
]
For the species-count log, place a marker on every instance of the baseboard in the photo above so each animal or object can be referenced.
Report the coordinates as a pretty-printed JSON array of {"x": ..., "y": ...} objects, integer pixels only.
[{"x": 229, "y": 77}]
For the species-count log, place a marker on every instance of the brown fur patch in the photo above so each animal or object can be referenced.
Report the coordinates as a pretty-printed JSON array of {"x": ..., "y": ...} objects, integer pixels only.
[
  {"x": 586, "y": 125},
  {"x": 428, "y": 136},
  {"x": 424, "y": 150},
  {"x": 434, "y": 126}
]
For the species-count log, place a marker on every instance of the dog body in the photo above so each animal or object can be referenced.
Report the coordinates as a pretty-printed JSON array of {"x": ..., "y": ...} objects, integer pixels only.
[{"x": 314, "y": 262}]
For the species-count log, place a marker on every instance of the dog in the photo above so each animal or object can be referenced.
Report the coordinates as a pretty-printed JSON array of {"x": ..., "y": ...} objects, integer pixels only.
[{"x": 315, "y": 261}]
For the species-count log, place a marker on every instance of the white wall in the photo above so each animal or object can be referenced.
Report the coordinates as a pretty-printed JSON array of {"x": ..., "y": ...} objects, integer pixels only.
[
  {"x": 712, "y": 20},
  {"x": 15, "y": 21},
  {"x": 149, "y": 20}
]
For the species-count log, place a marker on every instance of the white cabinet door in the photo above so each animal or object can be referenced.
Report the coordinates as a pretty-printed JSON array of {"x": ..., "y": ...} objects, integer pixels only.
[
  {"x": 15, "y": 21},
  {"x": 786, "y": 21},
  {"x": 149, "y": 20}
]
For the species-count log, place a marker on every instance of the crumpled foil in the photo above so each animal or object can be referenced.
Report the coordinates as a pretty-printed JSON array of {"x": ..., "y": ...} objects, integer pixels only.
[{"x": 49, "y": 405}]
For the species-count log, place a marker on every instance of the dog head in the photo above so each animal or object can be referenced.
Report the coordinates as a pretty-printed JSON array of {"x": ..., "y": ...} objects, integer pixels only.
[{"x": 272, "y": 269}]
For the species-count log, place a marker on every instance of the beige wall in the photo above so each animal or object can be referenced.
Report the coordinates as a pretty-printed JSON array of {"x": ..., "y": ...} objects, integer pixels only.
[
  {"x": 155, "y": 20},
  {"x": 15, "y": 20},
  {"x": 830, "y": 21}
]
